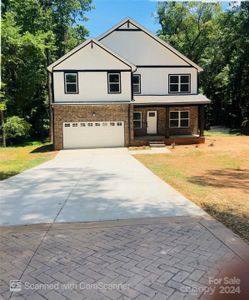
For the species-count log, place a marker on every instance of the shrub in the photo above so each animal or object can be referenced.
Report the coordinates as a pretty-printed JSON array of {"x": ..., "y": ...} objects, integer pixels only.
[
  {"x": 245, "y": 127},
  {"x": 16, "y": 129}
]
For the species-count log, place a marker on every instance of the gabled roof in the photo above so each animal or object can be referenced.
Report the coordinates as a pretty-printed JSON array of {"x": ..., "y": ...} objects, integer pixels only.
[
  {"x": 82, "y": 45},
  {"x": 140, "y": 27}
]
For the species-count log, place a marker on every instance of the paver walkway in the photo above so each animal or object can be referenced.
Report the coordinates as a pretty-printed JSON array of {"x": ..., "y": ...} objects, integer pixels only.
[{"x": 153, "y": 258}]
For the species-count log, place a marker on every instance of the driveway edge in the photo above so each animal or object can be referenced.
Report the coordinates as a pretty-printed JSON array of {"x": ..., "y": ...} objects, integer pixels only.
[{"x": 227, "y": 237}]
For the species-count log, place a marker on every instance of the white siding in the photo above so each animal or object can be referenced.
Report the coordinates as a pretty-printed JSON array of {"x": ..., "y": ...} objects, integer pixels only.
[
  {"x": 91, "y": 58},
  {"x": 140, "y": 49},
  {"x": 154, "y": 81},
  {"x": 92, "y": 87}
]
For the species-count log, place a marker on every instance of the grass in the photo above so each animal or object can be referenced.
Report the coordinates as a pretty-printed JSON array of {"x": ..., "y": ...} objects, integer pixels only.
[
  {"x": 212, "y": 133},
  {"x": 214, "y": 175},
  {"x": 16, "y": 159}
]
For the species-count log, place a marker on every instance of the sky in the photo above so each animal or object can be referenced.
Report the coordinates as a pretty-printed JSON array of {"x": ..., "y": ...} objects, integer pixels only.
[{"x": 108, "y": 13}]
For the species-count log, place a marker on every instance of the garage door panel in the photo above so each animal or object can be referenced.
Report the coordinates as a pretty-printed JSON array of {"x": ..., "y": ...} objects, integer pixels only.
[{"x": 93, "y": 134}]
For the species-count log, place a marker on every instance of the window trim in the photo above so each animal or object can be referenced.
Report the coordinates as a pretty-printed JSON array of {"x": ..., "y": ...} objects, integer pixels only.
[
  {"x": 179, "y": 84},
  {"x": 139, "y": 84},
  {"x": 65, "y": 82},
  {"x": 179, "y": 118},
  {"x": 140, "y": 120},
  {"x": 108, "y": 82}
]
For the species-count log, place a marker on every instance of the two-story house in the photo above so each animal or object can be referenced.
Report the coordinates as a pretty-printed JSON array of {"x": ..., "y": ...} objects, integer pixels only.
[{"x": 127, "y": 87}]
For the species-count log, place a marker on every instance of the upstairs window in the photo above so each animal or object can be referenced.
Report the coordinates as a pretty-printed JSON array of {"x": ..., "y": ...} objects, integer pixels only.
[
  {"x": 179, "y": 119},
  {"x": 179, "y": 83},
  {"x": 71, "y": 83},
  {"x": 136, "y": 83},
  {"x": 114, "y": 85}
]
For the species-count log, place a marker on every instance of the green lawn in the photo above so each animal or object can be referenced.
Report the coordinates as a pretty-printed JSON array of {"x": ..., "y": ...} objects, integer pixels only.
[
  {"x": 213, "y": 133},
  {"x": 14, "y": 160}
]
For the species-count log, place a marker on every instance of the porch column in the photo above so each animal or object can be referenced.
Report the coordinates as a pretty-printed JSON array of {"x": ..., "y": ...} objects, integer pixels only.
[
  {"x": 201, "y": 119},
  {"x": 167, "y": 122},
  {"x": 131, "y": 129}
]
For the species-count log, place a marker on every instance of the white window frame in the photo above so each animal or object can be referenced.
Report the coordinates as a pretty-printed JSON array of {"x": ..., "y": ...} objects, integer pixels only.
[
  {"x": 66, "y": 83},
  {"x": 179, "y": 84},
  {"x": 138, "y": 120},
  {"x": 179, "y": 118},
  {"x": 137, "y": 84},
  {"x": 117, "y": 83}
]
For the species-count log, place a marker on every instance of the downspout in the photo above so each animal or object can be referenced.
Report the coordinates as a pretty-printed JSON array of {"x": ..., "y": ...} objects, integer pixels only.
[
  {"x": 129, "y": 111},
  {"x": 130, "y": 116}
]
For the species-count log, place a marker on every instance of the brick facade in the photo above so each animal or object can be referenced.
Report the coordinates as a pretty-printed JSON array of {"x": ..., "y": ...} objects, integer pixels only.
[
  {"x": 84, "y": 113},
  {"x": 163, "y": 121},
  {"x": 193, "y": 128},
  {"x": 121, "y": 112}
]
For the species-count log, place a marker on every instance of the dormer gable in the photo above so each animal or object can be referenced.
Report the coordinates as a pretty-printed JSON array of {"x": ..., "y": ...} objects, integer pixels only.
[{"x": 91, "y": 55}]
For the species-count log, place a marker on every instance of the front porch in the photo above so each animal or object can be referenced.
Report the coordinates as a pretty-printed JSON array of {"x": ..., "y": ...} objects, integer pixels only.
[
  {"x": 174, "y": 139},
  {"x": 180, "y": 125}
]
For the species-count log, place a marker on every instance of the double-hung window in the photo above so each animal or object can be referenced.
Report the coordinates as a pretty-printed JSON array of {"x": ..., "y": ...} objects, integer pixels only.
[
  {"x": 71, "y": 83},
  {"x": 136, "y": 83},
  {"x": 137, "y": 120},
  {"x": 179, "y": 83},
  {"x": 114, "y": 84},
  {"x": 179, "y": 119}
]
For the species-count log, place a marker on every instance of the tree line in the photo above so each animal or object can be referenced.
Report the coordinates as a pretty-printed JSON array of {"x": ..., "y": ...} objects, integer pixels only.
[
  {"x": 34, "y": 34},
  {"x": 37, "y": 32}
]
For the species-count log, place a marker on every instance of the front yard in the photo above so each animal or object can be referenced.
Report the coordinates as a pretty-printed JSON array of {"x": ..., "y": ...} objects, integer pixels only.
[
  {"x": 14, "y": 160},
  {"x": 214, "y": 175}
]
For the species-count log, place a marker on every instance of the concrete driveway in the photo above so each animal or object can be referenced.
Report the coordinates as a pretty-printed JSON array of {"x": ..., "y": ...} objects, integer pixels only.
[{"x": 89, "y": 185}]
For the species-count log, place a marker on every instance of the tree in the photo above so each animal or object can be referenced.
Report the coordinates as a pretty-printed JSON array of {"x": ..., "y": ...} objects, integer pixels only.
[
  {"x": 24, "y": 71},
  {"x": 67, "y": 17},
  {"x": 2, "y": 109},
  {"x": 35, "y": 33},
  {"x": 16, "y": 128},
  {"x": 189, "y": 26}
]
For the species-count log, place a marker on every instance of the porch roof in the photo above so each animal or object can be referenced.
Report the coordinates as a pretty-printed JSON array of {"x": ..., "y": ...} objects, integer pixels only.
[{"x": 171, "y": 99}]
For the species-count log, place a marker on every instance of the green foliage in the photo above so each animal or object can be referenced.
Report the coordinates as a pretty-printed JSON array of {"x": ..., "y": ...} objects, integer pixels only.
[
  {"x": 67, "y": 17},
  {"x": 188, "y": 26},
  {"x": 16, "y": 128},
  {"x": 2, "y": 106},
  {"x": 218, "y": 41},
  {"x": 35, "y": 33}
]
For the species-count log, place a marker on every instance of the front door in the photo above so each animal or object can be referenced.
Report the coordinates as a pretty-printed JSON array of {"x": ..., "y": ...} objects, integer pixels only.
[{"x": 151, "y": 122}]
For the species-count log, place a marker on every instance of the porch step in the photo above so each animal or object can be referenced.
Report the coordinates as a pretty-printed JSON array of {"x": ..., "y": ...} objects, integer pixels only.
[{"x": 157, "y": 143}]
